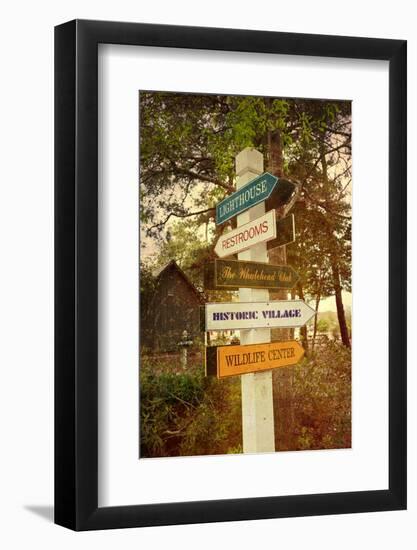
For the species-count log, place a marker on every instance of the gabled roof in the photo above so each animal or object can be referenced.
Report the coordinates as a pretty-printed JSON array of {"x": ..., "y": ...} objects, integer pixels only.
[{"x": 173, "y": 264}]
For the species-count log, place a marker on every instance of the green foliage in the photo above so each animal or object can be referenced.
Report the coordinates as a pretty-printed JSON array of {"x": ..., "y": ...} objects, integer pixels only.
[
  {"x": 216, "y": 425},
  {"x": 321, "y": 400},
  {"x": 327, "y": 322},
  {"x": 185, "y": 137},
  {"x": 186, "y": 413},
  {"x": 322, "y": 325},
  {"x": 188, "y": 144},
  {"x": 186, "y": 246}
]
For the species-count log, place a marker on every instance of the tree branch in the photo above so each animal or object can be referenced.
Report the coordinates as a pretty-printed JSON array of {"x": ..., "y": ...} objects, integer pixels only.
[
  {"x": 173, "y": 214},
  {"x": 201, "y": 177},
  {"x": 324, "y": 205}
]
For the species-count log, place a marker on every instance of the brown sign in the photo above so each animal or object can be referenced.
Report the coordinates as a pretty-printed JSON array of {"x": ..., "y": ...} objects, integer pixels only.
[
  {"x": 281, "y": 194},
  {"x": 233, "y": 274},
  {"x": 285, "y": 232},
  {"x": 224, "y": 361}
]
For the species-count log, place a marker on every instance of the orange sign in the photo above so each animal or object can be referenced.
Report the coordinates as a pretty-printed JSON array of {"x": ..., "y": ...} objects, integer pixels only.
[{"x": 235, "y": 360}]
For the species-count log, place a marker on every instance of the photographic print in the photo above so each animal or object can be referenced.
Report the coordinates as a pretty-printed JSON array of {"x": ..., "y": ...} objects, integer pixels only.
[
  {"x": 245, "y": 274},
  {"x": 203, "y": 275}
]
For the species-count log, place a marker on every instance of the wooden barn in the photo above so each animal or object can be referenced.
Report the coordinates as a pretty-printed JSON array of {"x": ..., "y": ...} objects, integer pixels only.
[{"x": 170, "y": 305}]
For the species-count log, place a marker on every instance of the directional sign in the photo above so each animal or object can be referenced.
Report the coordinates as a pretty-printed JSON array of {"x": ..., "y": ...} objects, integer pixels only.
[
  {"x": 281, "y": 195},
  {"x": 232, "y": 274},
  {"x": 224, "y": 361},
  {"x": 257, "y": 231},
  {"x": 254, "y": 192},
  {"x": 285, "y": 232},
  {"x": 272, "y": 314}
]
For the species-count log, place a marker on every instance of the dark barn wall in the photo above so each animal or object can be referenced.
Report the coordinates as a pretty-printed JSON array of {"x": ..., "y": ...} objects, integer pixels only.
[{"x": 173, "y": 306}]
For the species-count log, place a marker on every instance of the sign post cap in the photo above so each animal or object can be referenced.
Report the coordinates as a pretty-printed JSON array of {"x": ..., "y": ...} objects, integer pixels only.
[{"x": 249, "y": 160}]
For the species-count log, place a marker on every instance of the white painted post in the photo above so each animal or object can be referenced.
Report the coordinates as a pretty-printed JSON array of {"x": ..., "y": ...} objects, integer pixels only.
[
  {"x": 257, "y": 400},
  {"x": 184, "y": 358}
]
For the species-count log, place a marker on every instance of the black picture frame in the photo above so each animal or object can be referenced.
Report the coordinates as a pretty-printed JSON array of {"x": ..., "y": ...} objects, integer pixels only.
[{"x": 76, "y": 272}]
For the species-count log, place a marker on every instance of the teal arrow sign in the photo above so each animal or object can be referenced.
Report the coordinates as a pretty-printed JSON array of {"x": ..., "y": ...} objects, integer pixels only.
[{"x": 249, "y": 195}]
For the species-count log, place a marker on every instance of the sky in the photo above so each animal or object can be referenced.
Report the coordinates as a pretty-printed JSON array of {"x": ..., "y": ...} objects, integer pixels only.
[{"x": 329, "y": 304}]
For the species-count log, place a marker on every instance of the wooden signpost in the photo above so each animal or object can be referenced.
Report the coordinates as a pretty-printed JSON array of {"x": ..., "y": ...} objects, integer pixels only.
[
  {"x": 249, "y": 315},
  {"x": 252, "y": 193},
  {"x": 259, "y": 230},
  {"x": 258, "y": 432},
  {"x": 232, "y": 274},
  {"x": 254, "y": 315},
  {"x": 224, "y": 361}
]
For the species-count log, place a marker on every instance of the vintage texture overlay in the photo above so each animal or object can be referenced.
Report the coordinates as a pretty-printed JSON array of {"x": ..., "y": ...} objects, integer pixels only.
[{"x": 198, "y": 220}]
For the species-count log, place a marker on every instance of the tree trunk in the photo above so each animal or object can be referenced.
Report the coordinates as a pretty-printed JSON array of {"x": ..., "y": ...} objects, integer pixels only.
[
  {"x": 303, "y": 329},
  {"x": 293, "y": 297},
  {"x": 344, "y": 333},
  {"x": 281, "y": 378},
  {"x": 277, "y": 256},
  {"x": 318, "y": 298}
]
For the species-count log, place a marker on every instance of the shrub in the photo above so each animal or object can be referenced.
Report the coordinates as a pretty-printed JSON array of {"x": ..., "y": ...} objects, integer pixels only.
[
  {"x": 321, "y": 396},
  {"x": 187, "y": 413}
]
